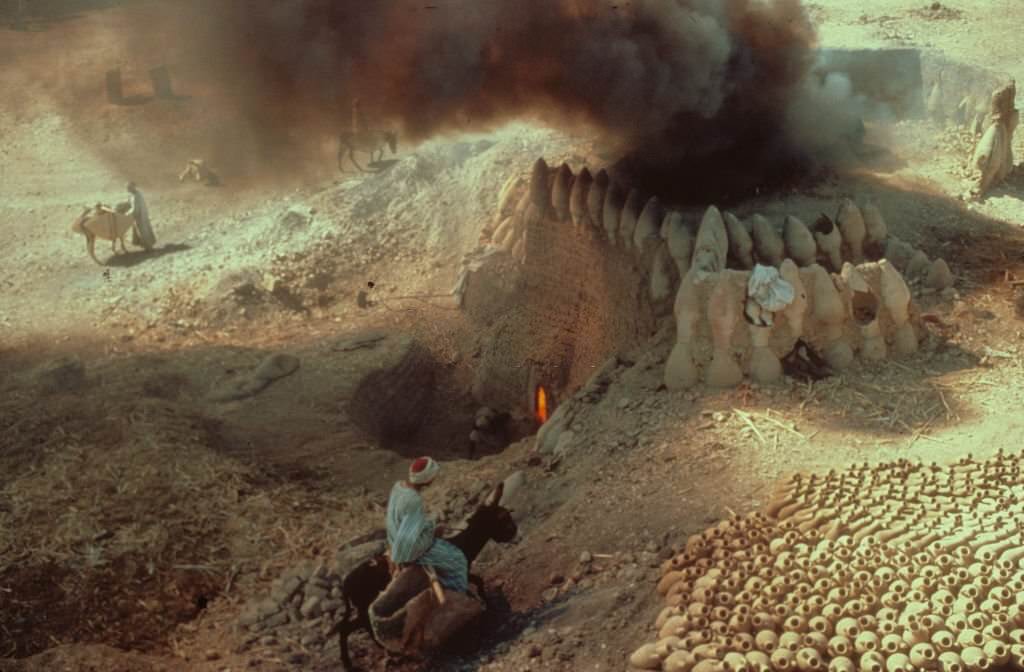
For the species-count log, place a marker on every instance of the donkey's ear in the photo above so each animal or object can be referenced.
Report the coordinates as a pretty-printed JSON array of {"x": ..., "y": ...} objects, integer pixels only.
[{"x": 496, "y": 494}]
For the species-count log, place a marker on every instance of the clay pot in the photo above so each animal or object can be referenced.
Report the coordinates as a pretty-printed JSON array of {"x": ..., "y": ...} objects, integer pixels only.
[
  {"x": 679, "y": 661},
  {"x": 1017, "y": 656},
  {"x": 840, "y": 645},
  {"x": 898, "y": 252},
  {"x": 561, "y": 190},
  {"x": 596, "y": 195},
  {"x": 734, "y": 662},
  {"x": 997, "y": 652},
  {"x": 918, "y": 266},
  {"x": 841, "y": 664},
  {"x": 949, "y": 661},
  {"x": 765, "y": 367},
  {"x": 540, "y": 191},
  {"x": 646, "y": 658},
  {"x": 679, "y": 239},
  {"x": 808, "y": 660},
  {"x": 758, "y": 661},
  {"x": 711, "y": 246},
  {"x": 799, "y": 243},
  {"x": 790, "y": 640},
  {"x": 939, "y": 276},
  {"x": 974, "y": 659},
  {"x": 783, "y": 659},
  {"x": 769, "y": 247},
  {"x": 852, "y": 229},
  {"x": 898, "y": 662},
  {"x": 614, "y": 201},
  {"x": 923, "y": 656},
  {"x": 681, "y": 370},
  {"x": 848, "y": 627},
  {"x": 647, "y": 232},
  {"x": 892, "y": 642},
  {"x": 766, "y": 640},
  {"x": 722, "y": 312},
  {"x": 708, "y": 665},
  {"x": 895, "y": 297},
  {"x": 872, "y": 661},
  {"x": 578, "y": 210},
  {"x": 829, "y": 241},
  {"x": 875, "y": 229},
  {"x": 829, "y": 313},
  {"x": 866, "y": 641},
  {"x": 741, "y": 245}
]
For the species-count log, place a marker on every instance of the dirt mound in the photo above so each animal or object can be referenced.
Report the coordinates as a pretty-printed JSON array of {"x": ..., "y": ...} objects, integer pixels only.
[{"x": 92, "y": 657}]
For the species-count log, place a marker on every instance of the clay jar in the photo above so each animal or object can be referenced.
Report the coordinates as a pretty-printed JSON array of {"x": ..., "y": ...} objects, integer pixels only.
[
  {"x": 578, "y": 210},
  {"x": 629, "y": 217},
  {"x": 876, "y": 230},
  {"x": 829, "y": 314},
  {"x": 741, "y": 245},
  {"x": 768, "y": 245},
  {"x": 794, "y": 312},
  {"x": 799, "y": 242},
  {"x": 829, "y": 241},
  {"x": 561, "y": 191},
  {"x": 614, "y": 200},
  {"x": 896, "y": 299},
  {"x": 851, "y": 227},
  {"x": 722, "y": 312},
  {"x": 647, "y": 235},
  {"x": 596, "y": 195},
  {"x": 865, "y": 307},
  {"x": 765, "y": 366},
  {"x": 681, "y": 370},
  {"x": 679, "y": 239},
  {"x": 711, "y": 247}
]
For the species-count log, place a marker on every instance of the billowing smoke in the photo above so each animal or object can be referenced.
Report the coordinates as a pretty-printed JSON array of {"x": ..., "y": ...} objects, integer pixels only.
[{"x": 685, "y": 88}]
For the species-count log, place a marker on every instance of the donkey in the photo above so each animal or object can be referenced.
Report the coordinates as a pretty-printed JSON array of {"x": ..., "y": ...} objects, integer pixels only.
[
  {"x": 373, "y": 142},
  {"x": 362, "y": 585},
  {"x": 102, "y": 222}
]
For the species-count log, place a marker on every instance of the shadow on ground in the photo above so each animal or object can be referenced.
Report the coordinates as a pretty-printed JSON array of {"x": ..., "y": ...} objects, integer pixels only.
[{"x": 135, "y": 257}]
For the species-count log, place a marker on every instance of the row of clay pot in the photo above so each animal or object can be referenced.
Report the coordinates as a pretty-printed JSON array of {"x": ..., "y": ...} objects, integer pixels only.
[
  {"x": 897, "y": 591},
  {"x": 625, "y": 219},
  {"x": 864, "y": 310},
  {"x": 861, "y": 310}
]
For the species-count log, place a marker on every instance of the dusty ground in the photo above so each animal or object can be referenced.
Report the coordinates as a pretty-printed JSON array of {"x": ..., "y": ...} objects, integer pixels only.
[{"x": 128, "y": 519}]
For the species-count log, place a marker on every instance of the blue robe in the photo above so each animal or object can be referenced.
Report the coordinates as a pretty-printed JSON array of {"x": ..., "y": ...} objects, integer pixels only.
[{"x": 411, "y": 540}]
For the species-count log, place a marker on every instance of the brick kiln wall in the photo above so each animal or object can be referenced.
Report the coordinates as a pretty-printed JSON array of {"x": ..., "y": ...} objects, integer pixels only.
[
  {"x": 577, "y": 271},
  {"x": 578, "y": 302}
]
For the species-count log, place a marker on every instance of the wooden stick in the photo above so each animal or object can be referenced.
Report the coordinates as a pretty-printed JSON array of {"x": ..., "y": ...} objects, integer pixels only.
[{"x": 434, "y": 583}]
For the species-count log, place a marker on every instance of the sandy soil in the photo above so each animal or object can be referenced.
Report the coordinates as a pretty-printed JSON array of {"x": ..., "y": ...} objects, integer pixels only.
[{"x": 128, "y": 520}]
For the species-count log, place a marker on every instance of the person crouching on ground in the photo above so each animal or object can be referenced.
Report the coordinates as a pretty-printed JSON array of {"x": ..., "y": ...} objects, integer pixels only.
[{"x": 413, "y": 536}]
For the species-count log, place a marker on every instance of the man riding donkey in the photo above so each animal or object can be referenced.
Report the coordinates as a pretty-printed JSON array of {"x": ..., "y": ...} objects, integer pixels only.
[{"x": 413, "y": 541}]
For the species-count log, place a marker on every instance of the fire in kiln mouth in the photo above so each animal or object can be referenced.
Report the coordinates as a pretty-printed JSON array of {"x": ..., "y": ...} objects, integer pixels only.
[{"x": 541, "y": 404}]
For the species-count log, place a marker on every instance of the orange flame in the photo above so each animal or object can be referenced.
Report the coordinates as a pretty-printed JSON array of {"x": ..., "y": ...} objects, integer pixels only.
[{"x": 541, "y": 404}]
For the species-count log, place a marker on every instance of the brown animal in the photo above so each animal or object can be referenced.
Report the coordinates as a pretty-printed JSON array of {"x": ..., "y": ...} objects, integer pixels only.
[
  {"x": 196, "y": 169},
  {"x": 102, "y": 222},
  {"x": 372, "y": 142}
]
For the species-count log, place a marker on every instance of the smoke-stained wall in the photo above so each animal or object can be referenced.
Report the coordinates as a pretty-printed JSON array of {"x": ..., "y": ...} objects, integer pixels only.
[{"x": 554, "y": 316}]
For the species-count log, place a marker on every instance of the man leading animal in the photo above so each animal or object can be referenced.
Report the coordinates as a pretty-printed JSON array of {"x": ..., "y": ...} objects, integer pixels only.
[{"x": 142, "y": 232}]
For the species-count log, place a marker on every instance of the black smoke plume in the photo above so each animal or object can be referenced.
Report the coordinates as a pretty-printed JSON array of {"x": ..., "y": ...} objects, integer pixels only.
[{"x": 687, "y": 90}]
